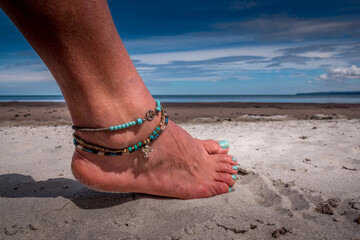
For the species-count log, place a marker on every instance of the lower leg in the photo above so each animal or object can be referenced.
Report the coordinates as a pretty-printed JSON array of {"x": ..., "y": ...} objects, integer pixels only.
[{"x": 79, "y": 43}]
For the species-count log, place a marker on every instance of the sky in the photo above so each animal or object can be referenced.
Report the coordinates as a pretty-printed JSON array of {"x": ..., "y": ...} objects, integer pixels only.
[{"x": 216, "y": 47}]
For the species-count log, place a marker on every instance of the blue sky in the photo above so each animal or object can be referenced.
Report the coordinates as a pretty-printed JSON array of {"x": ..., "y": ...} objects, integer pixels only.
[{"x": 216, "y": 47}]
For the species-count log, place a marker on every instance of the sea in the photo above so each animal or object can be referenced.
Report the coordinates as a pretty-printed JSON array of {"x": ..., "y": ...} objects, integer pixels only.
[{"x": 313, "y": 98}]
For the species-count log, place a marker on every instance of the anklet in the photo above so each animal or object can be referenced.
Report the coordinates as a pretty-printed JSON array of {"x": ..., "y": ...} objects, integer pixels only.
[
  {"x": 143, "y": 145},
  {"x": 148, "y": 117}
]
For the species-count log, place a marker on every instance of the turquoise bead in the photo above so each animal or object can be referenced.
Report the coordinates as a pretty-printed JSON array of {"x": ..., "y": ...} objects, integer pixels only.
[
  {"x": 136, "y": 147},
  {"x": 127, "y": 125},
  {"x": 158, "y": 109},
  {"x": 154, "y": 132},
  {"x": 133, "y": 123},
  {"x": 157, "y": 129},
  {"x": 119, "y": 127},
  {"x": 129, "y": 149},
  {"x": 122, "y": 126},
  {"x": 151, "y": 136},
  {"x": 139, "y": 144},
  {"x": 139, "y": 121},
  {"x": 111, "y": 128},
  {"x": 113, "y": 154},
  {"x": 115, "y": 127}
]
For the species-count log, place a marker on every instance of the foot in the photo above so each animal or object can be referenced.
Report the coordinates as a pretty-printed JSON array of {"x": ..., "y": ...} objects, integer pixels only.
[{"x": 180, "y": 166}]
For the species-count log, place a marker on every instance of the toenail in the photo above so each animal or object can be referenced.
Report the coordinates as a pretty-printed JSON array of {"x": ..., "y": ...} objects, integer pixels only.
[
  {"x": 229, "y": 189},
  {"x": 224, "y": 144},
  {"x": 234, "y": 159},
  {"x": 235, "y": 167},
  {"x": 233, "y": 177}
]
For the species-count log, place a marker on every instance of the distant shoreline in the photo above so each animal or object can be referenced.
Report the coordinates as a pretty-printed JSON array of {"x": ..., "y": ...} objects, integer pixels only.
[
  {"x": 347, "y": 93},
  {"x": 330, "y": 97}
]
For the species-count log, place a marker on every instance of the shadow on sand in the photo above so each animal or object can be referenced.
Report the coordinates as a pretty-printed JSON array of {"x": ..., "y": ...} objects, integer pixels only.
[{"x": 20, "y": 186}]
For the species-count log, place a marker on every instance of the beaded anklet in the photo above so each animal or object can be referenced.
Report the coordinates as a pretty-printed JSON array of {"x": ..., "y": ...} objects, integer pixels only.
[
  {"x": 148, "y": 117},
  {"x": 143, "y": 145}
]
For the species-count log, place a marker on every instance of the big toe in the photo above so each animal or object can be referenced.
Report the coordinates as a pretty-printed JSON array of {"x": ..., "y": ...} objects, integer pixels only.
[{"x": 214, "y": 147}]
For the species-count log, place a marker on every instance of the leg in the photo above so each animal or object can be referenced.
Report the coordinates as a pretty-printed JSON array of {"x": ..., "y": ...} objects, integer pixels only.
[{"x": 78, "y": 42}]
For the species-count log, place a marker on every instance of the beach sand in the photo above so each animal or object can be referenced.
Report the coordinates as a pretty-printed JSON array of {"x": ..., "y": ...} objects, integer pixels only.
[{"x": 299, "y": 178}]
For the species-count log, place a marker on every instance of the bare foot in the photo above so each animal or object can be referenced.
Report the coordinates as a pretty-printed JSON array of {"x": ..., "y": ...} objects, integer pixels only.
[{"x": 180, "y": 167}]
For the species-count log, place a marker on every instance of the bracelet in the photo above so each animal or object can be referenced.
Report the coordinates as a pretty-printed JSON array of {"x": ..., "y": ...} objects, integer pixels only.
[
  {"x": 143, "y": 145},
  {"x": 149, "y": 116}
]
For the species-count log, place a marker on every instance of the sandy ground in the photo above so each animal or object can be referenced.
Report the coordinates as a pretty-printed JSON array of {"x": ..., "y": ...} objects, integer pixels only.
[{"x": 300, "y": 181}]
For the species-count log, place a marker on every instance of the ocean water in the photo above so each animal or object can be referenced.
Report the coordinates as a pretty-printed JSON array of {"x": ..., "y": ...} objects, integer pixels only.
[{"x": 320, "y": 98}]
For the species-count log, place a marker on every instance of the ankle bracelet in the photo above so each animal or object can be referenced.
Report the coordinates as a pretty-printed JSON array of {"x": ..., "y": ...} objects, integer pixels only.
[
  {"x": 143, "y": 145},
  {"x": 149, "y": 116}
]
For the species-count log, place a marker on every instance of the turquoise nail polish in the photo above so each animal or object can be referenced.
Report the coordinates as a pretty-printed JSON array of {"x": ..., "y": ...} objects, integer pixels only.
[
  {"x": 235, "y": 167},
  {"x": 233, "y": 177},
  {"x": 224, "y": 144},
  {"x": 229, "y": 189},
  {"x": 234, "y": 159}
]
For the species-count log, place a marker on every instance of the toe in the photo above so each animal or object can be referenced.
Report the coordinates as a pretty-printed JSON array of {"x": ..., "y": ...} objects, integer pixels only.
[
  {"x": 229, "y": 179},
  {"x": 221, "y": 187},
  {"x": 226, "y": 168},
  {"x": 214, "y": 147},
  {"x": 224, "y": 158}
]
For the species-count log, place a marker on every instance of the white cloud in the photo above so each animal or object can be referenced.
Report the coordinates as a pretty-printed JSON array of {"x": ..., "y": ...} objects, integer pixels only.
[
  {"x": 317, "y": 54},
  {"x": 199, "y": 55},
  {"x": 201, "y": 78},
  {"x": 182, "y": 42},
  {"x": 23, "y": 75},
  {"x": 341, "y": 73}
]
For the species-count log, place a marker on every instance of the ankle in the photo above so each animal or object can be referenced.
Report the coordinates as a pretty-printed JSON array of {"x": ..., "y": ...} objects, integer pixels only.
[{"x": 124, "y": 137}]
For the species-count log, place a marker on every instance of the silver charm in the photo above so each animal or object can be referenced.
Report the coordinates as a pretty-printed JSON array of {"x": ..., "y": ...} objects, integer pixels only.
[{"x": 146, "y": 150}]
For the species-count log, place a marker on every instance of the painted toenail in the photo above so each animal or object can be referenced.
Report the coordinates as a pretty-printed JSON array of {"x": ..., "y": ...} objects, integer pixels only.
[
  {"x": 224, "y": 144},
  {"x": 229, "y": 189},
  {"x": 234, "y": 159},
  {"x": 235, "y": 167},
  {"x": 233, "y": 177}
]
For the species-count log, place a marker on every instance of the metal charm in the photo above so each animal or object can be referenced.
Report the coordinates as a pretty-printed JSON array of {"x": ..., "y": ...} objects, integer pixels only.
[
  {"x": 150, "y": 115},
  {"x": 146, "y": 150}
]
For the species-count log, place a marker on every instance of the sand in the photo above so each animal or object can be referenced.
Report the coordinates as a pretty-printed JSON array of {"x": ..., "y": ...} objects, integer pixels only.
[{"x": 299, "y": 180}]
